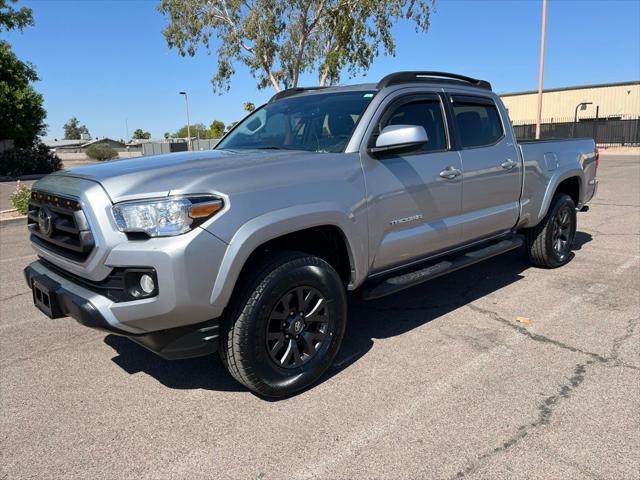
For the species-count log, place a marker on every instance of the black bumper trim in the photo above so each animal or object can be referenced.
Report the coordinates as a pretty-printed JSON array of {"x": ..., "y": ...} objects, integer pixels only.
[{"x": 172, "y": 344}]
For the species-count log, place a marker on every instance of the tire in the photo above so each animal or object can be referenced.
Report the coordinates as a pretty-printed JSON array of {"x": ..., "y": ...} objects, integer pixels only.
[
  {"x": 257, "y": 338},
  {"x": 548, "y": 247}
]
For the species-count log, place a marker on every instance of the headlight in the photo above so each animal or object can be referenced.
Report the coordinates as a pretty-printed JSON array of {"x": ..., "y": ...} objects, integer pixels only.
[{"x": 165, "y": 217}]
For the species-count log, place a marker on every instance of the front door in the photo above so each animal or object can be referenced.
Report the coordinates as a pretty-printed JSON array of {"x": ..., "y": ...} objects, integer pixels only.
[
  {"x": 492, "y": 170},
  {"x": 412, "y": 204}
]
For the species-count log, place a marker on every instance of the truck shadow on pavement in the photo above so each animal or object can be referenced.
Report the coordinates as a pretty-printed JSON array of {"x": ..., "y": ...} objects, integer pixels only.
[{"x": 376, "y": 319}]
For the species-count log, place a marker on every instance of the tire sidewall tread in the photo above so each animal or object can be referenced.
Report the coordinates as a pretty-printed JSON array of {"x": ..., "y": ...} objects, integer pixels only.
[
  {"x": 539, "y": 238},
  {"x": 242, "y": 348}
]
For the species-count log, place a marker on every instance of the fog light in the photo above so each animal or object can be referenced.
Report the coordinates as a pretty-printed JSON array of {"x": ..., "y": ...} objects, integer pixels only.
[{"x": 147, "y": 284}]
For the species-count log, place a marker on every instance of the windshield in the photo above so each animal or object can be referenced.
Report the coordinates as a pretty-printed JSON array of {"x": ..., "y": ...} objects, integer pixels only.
[{"x": 317, "y": 123}]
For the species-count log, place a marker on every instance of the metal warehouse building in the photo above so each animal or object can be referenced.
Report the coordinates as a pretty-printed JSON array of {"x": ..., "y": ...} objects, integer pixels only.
[{"x": 607, "y": 100}]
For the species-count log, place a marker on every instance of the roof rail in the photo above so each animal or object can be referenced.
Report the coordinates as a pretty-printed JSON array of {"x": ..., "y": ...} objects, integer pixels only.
[
  {"x": 427, "y": 76},
  {"x": 291, "y": 91}
]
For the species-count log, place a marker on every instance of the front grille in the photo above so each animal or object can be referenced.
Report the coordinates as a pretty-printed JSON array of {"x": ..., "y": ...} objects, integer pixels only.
[{"x": 57, "y": 223}]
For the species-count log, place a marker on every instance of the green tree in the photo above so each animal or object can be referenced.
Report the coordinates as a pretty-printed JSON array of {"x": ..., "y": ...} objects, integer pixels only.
[
  {"x": 280, "y": 39},
  {"x": 231, "y": 125},
  {"x": 216, "y": 130},
  {"x": 73, "y": 130},
  {"x": 21, "y": 112},
  {"x": 101, "y": 151},
  {"x": 139, "y": 134},
  {"x": 198, "y": 130},
  {"x": 166, "y": 135},
  {"x": 249, "y": 106},
  {"x": 10, "y": 18}
]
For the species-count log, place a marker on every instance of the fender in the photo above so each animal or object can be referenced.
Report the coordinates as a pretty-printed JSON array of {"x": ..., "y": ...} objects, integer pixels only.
[
  {"x": 274, "y": 224},
  {"x": 552, "y": 186}
]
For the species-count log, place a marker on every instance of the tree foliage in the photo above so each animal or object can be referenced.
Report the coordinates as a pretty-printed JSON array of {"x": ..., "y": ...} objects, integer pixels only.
[
  {"x": 139, "y": 134},
  {"x": 21, "y": 112},
  {"x": 73, "y": 130},
  {"x": 198, "y": 130},
  {"x": 36, "y": 158},
  {"x": 216, "y": 129},
  {"x": 101, "y": 151},
  {"x": 10, "y": 18},
  {"x": 278, "y": 40},
  {"x": 249, "y": 106}
]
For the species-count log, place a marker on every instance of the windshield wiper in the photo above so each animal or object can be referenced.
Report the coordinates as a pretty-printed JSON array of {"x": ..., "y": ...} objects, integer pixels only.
[{"x": 271, "y": 147}]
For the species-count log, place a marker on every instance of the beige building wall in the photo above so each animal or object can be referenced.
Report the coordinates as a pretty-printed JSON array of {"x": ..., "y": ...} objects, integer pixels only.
[{"x": 560, "y": 104}]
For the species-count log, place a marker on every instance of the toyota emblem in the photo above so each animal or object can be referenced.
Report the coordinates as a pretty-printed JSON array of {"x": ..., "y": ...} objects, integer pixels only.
[{"x": 45, "y": 222}]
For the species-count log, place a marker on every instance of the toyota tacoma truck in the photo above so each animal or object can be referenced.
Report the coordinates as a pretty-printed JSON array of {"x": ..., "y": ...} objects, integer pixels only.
[{"x": 250, "y": 248}]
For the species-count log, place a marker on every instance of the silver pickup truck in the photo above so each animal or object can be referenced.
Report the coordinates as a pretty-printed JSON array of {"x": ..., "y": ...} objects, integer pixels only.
[{"x": 249, "y": 249}]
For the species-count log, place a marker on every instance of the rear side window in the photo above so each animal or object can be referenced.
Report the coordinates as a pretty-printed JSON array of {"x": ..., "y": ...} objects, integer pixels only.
[
  {"x": 425, "y": 113},
  {"x": 478, "y": 124}
]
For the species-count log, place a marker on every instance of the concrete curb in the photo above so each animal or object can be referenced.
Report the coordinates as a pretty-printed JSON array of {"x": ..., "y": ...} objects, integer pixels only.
[
  {"x": 7, "y": 222},
  {"x": 37, "y": 176}
]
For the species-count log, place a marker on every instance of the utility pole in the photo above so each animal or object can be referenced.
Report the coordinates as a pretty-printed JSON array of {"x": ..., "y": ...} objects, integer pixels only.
[
  {"x": 541, "y": 73},
  {"x": 186, "y": 101}
]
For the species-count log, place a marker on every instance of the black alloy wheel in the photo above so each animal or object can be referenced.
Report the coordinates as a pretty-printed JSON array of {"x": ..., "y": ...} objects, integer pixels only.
[
  {"x": 297, "y": 328},
  {"x": 562, "y": 235},
  {"x": 549, "y": 242},
  {"x": 284, "y": 326}
]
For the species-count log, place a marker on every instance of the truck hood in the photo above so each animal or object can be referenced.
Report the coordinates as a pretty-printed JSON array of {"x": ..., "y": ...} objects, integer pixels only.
[{"x": 186, "y": 172}]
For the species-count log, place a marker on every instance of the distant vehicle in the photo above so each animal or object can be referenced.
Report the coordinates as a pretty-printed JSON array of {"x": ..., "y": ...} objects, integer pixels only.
[{"x": 248, "y": 249}]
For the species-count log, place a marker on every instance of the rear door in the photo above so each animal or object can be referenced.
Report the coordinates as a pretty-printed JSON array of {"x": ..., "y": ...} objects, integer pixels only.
[
  {"x": 413, "y": 207},
  {"x": 490, "y": 164}
]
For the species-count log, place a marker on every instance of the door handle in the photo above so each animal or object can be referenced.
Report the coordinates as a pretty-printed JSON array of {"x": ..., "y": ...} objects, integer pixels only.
[
  {"x": 508, "y": 164},
  {"x": 450, "y": 173}
]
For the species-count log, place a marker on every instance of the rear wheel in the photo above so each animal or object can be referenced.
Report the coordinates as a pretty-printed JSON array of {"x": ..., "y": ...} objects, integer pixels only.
[
  {"x": 549, "y": 243},
  {"x": 286, "y": 325}
]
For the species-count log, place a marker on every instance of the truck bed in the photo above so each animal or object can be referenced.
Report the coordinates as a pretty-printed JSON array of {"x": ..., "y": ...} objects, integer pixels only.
[{"x": 546, "y": 164}]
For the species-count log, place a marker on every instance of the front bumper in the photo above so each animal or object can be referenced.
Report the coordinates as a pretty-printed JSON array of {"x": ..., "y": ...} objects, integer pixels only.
[{"x": 69, "y": 300}]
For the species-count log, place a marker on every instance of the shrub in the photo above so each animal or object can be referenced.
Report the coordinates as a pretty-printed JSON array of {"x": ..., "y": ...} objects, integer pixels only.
[
  {"x": 20, "y": 198},
  {"x": 28, "y": 161},
  {"x": 101, "y": 151}
]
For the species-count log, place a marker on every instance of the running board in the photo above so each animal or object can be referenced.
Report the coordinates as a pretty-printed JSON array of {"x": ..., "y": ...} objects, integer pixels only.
[{"x": 448, "y": 265}]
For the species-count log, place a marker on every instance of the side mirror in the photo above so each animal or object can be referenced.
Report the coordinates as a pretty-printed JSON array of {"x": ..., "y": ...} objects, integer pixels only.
[{"x": 400, "y": 137}]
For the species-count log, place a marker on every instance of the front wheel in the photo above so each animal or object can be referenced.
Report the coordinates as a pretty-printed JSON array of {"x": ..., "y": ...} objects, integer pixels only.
[
  {"x": 286, "y": 325},
  {"x": 549, "y": 243}
]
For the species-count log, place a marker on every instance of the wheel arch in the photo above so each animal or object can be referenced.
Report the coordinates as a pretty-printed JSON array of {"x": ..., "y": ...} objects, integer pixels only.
[
  {"x": 324, "y": 232},
  {"x": 570, "y": 182}
]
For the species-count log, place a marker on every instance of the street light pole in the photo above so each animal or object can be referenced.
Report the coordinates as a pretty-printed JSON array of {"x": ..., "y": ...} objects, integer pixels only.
[
  {"x": 186, "y": 101},
  {"x": 580, "y": 106},
  {"x": 541, "y": 72}
]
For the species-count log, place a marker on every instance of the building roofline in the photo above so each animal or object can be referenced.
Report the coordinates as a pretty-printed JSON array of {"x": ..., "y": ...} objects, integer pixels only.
[{"x": 576, "y": 87}]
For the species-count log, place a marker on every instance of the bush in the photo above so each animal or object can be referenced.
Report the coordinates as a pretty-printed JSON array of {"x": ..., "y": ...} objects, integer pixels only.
[
  {"x": 20, "y": 198},
  {"x": 28, "y": 161},
  {"x": 101, "y": 151}
]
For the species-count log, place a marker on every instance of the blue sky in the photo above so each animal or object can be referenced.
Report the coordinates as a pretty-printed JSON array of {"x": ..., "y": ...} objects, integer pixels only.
[{"x": 104, "y": 61}]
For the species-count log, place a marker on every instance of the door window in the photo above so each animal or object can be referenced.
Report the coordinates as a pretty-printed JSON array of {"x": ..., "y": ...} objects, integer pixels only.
[
  {"x": 424, "y": 113},
  {"x": 477, "y": 124}
]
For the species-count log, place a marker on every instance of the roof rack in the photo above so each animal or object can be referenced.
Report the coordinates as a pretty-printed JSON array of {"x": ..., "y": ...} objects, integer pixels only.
[
  {"x": 427, "y": 76},
  {"x": 291, "y": 91}
]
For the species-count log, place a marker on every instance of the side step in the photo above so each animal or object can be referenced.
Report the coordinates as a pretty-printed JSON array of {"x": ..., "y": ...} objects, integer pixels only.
[{"x": 448, "y": 265}]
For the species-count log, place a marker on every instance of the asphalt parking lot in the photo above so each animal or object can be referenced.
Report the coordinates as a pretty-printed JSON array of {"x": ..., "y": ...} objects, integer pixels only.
[{"x": 440, "y": 381}]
